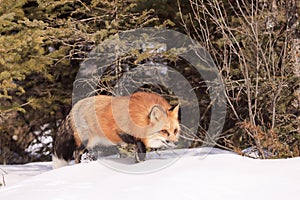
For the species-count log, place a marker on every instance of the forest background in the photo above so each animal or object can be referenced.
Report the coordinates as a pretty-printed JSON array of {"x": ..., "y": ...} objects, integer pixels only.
[{"x": 255, "y": 45}]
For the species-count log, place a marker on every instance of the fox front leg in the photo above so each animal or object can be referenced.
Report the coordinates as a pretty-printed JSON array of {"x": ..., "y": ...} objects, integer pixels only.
[{"x": 141, "y": 151}]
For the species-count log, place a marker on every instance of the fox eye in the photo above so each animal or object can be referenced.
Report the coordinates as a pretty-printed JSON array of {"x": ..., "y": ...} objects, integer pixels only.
[
  {"x": 166, "y": 132},
  {"x": 175, "y": 131}
]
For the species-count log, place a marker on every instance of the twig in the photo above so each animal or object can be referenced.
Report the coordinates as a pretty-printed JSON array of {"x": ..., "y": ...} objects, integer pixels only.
[{"x": 2, "y": 174}]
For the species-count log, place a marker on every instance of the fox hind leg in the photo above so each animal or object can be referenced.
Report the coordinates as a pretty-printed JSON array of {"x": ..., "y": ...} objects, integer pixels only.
[{"x": 78, "y": 152}]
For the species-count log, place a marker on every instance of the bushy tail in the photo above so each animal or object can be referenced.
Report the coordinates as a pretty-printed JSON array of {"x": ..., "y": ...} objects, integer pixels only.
[{"x": 64, "y": 144}]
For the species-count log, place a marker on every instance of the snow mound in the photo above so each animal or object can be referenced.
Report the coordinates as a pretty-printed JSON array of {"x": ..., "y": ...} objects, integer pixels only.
[{"x": 197, "y": 174}]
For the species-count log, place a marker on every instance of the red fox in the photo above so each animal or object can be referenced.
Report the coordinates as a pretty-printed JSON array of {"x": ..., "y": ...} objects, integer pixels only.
[{"x": 144, "y": 119}]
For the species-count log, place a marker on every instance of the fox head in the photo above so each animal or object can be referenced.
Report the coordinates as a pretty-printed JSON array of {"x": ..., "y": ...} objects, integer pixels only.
[{"x": 165, "y": 127}]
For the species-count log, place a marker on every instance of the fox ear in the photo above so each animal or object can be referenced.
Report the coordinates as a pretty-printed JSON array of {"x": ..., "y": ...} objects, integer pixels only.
[
  {"x": 175, "y": 111},
  {"x": 156, "y": 114}
]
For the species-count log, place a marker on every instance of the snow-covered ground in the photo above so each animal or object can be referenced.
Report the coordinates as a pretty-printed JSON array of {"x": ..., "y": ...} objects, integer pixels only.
[{"x": 197, "y": 174}]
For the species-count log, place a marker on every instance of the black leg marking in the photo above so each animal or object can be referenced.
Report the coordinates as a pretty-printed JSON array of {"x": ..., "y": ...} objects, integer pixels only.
[
  {"x": 141, "y": 148},
  {"x": 141, "y": 151},
  {"x": 129, "y": 139},
  {"x": 79, "y": 151}
]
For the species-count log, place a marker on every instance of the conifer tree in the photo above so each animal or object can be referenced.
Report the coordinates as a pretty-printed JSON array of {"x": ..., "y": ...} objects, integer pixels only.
[{"x": 41, "y": 46}]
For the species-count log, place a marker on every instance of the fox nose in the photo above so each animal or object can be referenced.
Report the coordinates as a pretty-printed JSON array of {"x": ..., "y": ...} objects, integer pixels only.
[
  {"x": 171, "y": 143},
  {"x": 174, "y": 142}
]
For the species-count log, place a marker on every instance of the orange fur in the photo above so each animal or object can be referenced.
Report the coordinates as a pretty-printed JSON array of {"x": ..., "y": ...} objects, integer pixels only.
[
  {"x": 143, "y": 119},
  {"x": 106, "y": 117}
]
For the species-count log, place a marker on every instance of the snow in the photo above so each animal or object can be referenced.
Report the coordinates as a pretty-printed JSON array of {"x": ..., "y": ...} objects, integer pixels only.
[
  {"x": 179, "y": 174},
  {"x": 43, "y": 141},
  {"x": 14, "y": 174}
]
